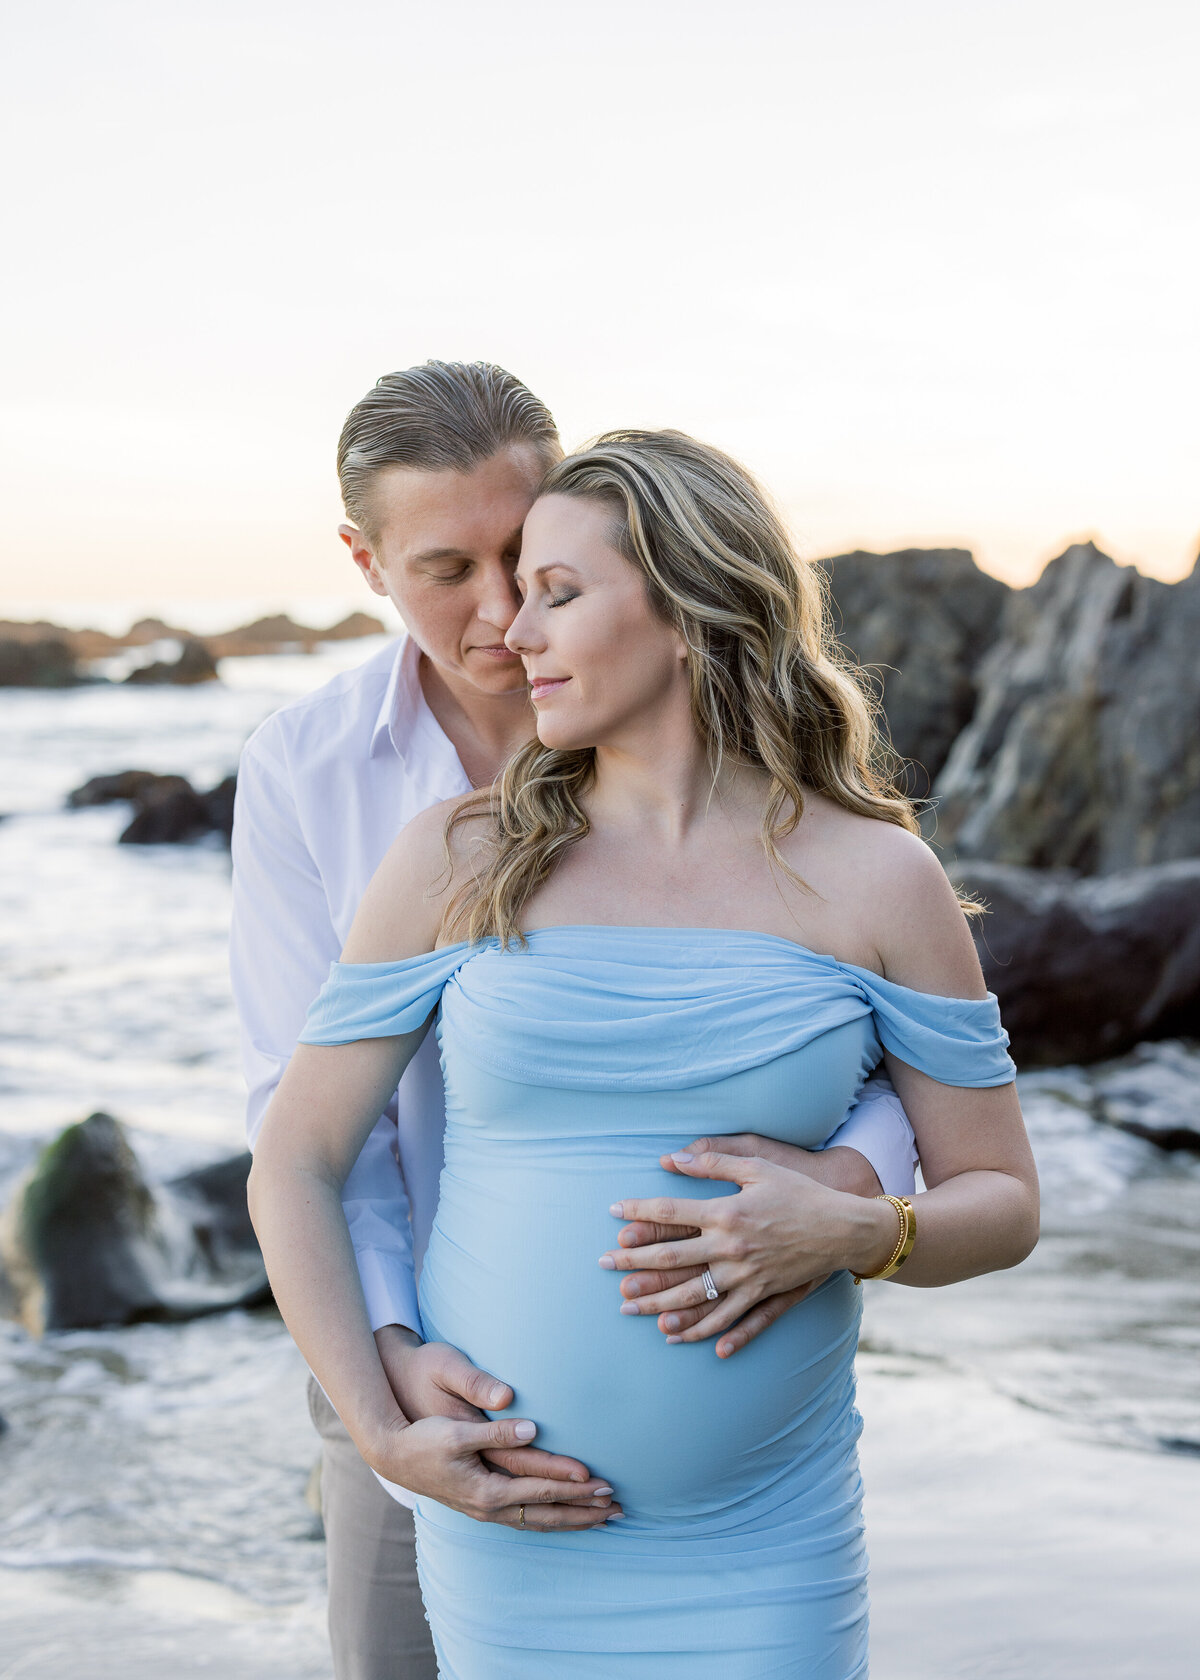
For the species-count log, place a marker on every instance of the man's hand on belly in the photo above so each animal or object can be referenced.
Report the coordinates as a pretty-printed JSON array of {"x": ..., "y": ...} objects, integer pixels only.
[{"x": 432, "y": 1380}]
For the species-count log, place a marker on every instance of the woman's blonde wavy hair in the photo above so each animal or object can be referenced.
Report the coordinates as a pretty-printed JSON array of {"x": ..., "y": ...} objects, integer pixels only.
[{"x": 769, "y": 686}]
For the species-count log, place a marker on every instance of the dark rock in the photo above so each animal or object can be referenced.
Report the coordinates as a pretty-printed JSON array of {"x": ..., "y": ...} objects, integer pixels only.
[
  {"x": 165, "y": 816},
  {"x": 1085, "y": 969},
  {"x": 37, "y": 664},
  {"x": 194, "y": 665},
  {"x": 215, "y": 1197},
  {"x": 1084, "y": 750},
  {"x": 218, "y": 806},
  {"x": 921, "y": 620},
  {"x": 167, "y": 809},
  {"x": 132, "y": 785},
  {"x": 87, "y": 1242},
  {"x": 1151, "y": 1093}
]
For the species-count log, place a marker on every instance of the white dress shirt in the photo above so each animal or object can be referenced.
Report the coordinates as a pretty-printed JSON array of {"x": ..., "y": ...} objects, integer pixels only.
[{"x": 324, "y": 787}]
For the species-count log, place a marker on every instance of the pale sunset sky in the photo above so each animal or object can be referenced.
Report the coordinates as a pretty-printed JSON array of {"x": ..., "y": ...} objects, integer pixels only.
[{"x": 930, "y": 268}]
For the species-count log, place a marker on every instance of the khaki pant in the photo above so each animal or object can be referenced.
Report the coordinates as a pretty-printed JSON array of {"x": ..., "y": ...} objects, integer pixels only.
[{"x": 377, "y": 1625}]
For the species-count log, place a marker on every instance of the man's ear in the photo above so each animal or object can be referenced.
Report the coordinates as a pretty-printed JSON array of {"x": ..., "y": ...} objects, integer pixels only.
[{"x": 363, "y": 556}]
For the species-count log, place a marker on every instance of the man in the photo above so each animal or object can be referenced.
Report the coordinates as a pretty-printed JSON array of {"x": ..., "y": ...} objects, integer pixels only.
[{"x": 438, "y": 467}]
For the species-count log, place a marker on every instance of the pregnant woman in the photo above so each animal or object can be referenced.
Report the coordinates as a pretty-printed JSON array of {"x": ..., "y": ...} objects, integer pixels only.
[{"x": 694, "y": 904}]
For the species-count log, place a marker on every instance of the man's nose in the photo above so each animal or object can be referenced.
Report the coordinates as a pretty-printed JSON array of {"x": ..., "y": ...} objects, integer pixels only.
[{"x": 501, "y": 600}]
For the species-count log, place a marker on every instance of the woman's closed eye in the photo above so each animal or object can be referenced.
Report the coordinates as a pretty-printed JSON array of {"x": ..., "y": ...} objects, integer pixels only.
[{"x": 561, "y": 600}]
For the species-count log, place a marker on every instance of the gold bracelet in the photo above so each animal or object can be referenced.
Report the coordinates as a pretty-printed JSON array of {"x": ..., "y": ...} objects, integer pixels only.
[{"x": 904, "y": 1242}]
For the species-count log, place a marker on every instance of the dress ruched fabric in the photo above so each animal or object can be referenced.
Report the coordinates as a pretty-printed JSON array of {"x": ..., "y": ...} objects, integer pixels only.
[{"x": 570, "y": 1066}]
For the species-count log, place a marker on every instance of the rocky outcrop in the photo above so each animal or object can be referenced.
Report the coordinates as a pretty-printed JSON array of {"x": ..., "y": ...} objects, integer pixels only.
[
  {"x": 110, "y": 790},
  {"x": 1151, "y": 1093},
  {"x": 1084, "y": 749},
  {"x": 39, "y": 654},
  {"x": 48, "y": 663},
  {"x": 922, "y": 620},
  {"x": 194, "y": 665},
  {"x": 1085, "y": 969},
  {"x": 281, "y": 634},
  {"x": 86, "y": 1241},
  {"x": 166, "y": 809}
]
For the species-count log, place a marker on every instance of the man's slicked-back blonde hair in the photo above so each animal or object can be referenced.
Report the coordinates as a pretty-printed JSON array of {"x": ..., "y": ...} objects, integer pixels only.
[
  {"x": 442, "y": 417},
  {"x": 769, "y": 686}
]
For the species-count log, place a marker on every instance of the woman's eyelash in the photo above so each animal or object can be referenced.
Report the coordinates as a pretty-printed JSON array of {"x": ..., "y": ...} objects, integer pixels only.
[{"x": 561, "y": 600}]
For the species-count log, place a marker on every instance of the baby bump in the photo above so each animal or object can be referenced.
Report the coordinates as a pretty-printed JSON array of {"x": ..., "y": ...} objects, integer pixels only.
[{"x": 511, "y": 1277}]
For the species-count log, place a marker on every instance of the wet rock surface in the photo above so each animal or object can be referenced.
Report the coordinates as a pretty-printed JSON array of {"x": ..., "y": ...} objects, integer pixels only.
[
  {"x": 86, "y": 1241},
  {"x": 1084, "y": 748},
  {"x": 47, "y": 663},
  {"x": 194, "y": 665},
  {"x": 39, "y": 654},
  {"x": 920, "y": 620},
  {"x": 1085, "y": 969},
  {"x": 167, "y": 809}
]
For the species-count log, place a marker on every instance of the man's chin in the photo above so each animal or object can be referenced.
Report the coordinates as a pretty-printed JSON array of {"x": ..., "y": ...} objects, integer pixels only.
[{"x": 497, "y": 676}]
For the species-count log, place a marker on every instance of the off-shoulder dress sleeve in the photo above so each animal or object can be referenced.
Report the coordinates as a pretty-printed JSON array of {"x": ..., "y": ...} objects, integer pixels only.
[
  {"x": 380, "y": 1000},
  {"x": 957, "y": 1041}
]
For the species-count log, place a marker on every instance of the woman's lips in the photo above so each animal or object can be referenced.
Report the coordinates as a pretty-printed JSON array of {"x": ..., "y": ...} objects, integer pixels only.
[{"x": 540, "y": 687}]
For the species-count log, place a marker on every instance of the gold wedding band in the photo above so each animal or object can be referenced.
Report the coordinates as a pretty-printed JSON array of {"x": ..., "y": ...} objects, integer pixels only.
[{"x": 520, "y": 1516}]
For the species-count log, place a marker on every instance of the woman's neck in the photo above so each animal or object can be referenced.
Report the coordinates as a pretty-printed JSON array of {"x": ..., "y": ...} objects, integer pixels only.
[{"x": 663, "y": 785}]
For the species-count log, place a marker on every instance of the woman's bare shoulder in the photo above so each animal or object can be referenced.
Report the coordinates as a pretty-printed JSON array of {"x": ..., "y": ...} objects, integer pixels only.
[
  {"x": 401, "y": 912},
  {"x": 908, "y": 907}
]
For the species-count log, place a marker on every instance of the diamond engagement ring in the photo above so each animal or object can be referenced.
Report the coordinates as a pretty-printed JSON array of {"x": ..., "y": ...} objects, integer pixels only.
[{"x": 710, "y": 1289}]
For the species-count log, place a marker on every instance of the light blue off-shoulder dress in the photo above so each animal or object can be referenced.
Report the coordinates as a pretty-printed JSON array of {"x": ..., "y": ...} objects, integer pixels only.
[{"x": 570, "y": 1066}]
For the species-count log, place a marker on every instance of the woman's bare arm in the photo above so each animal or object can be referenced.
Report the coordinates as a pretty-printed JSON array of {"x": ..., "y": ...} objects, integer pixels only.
[{"x": 316, "y": 1124}]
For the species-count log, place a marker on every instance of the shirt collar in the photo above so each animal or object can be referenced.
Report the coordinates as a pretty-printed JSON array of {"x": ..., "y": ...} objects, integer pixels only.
[{"x": 403, "y": 706}]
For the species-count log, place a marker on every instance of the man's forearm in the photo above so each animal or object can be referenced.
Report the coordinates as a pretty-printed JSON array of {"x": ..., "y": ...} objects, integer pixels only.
[{"x": 840, "y": 1168}]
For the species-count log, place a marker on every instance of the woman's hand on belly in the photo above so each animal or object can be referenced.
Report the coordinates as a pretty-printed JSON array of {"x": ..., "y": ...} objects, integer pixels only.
[{"x": 765, "y": 1248}]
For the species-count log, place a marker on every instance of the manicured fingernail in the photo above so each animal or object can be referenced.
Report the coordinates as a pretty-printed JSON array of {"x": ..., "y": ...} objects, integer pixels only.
[
  {"x": 630, "y": 1307},
  {"x": 614, "y": 1516},
  {"x": 617, "y": 1210},
  {"x": 601, "y": 1491},
  {"x": 670, "y": 1322},
  {"x": 496, "y": 1395},
  {"x": 608, "y": 1263},
  {"x": 682, "y": 1156},
  {"x": 671, "y": 1340},
  {"x": 525, "y": 1431}
]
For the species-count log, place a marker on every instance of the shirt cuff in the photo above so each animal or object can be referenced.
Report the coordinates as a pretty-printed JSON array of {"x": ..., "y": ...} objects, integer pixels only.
[
  {"x": 878, "y": 1128},
  {"x": 389, "y": 1289}
]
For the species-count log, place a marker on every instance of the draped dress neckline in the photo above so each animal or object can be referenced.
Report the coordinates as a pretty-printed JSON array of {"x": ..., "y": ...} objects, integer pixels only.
[{"x": 623, "y": 1006}]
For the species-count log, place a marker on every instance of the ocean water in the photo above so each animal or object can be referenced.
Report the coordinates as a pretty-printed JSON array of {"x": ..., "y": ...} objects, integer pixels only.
[{"x": 187, "y": 1449}]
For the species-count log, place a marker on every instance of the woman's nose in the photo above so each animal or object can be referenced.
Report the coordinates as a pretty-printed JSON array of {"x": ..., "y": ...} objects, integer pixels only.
[{"x": 521, "y": 636}]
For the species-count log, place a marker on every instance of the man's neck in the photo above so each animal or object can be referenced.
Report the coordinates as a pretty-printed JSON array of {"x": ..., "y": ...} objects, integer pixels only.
[{"x": 484, "y": 729}]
